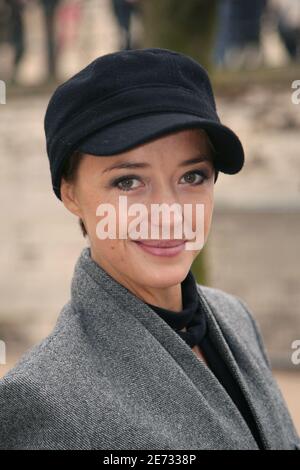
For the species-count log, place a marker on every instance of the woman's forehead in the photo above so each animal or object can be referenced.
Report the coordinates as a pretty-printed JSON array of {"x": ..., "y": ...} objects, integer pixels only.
[{"x": 139, "y": 163}]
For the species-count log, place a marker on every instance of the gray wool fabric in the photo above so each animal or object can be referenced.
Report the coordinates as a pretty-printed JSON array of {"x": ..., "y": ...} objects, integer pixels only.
[{"x": 114, "y": 375}]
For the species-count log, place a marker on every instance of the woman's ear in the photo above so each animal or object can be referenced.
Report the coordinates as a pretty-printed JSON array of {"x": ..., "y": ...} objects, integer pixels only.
[{"x": 68, "y": 197}]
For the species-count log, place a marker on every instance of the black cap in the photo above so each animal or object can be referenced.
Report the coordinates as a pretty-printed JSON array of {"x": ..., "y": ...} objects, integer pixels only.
[{"x": 129, "y": 97}]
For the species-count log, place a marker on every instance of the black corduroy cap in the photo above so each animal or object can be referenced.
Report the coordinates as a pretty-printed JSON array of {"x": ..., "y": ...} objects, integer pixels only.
[{"x": 129, "y": 97}]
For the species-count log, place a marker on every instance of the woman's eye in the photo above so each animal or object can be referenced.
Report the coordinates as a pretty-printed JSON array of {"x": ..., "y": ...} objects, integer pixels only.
[
  {"x": 125, "y": 184},
  {"x": 129, "y": 183},
  {"x": 195, "y": 177}
]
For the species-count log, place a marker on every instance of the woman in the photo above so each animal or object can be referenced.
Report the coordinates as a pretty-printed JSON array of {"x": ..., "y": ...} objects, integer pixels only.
[{"x": 141, "y": 356}]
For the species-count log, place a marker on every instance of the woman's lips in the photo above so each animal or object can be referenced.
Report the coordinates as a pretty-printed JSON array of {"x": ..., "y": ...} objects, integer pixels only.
[{"x": 162, "y": 247}]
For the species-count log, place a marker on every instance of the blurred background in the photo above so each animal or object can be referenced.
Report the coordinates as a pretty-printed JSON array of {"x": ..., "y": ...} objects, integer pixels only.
[{"x": 252, "y": 52}]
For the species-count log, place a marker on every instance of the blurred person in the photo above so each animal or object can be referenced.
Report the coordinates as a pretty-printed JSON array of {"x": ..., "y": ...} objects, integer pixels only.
[
  {"x": 49, "y": 9},
  {"x": 123, "y": 10},
  {"x": 288, "y": 24},
  {"x": 68, "y": 21},
  {"x": 4, "y": 21},
  {"x": 239, "y": 33},
  {"x": 16, "y": 33}
]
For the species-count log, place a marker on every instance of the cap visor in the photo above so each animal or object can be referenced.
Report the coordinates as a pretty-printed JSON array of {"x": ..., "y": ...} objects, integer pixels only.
[{"x": 137, "y": 130}]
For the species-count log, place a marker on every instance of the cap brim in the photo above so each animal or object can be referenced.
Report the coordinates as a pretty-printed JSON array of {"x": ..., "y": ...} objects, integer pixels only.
[{"x": 127, "y": 134}]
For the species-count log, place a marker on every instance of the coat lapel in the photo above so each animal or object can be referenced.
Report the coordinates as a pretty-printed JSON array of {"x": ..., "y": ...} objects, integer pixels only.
[
  {"x": 129, "y": 336},
  {"x": 251, "y": 373}
]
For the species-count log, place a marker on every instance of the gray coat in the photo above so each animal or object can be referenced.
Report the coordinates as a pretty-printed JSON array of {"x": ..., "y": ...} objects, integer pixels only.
[{"x": 112, "y": 374}]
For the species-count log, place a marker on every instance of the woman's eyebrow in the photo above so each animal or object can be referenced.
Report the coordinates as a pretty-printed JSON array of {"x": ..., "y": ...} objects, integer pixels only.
[
  {"x": 121, "y": 165},
  {"x": 197, "y": 159},
  {"x": 129, "y": 165}
]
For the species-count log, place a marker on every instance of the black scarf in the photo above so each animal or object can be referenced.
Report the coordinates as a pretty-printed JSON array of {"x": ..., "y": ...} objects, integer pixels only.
[{"x": 191, "y": 316}]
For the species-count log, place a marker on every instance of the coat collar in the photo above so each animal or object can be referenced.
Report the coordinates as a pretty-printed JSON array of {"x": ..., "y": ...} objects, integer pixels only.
[{"x": 103, "y": 301}]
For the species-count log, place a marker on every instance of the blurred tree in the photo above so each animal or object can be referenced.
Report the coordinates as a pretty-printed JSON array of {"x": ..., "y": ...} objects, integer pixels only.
[{"x": 184, "y": 26}]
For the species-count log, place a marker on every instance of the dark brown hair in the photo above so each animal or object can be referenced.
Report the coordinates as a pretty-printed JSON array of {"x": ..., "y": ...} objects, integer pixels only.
[{"x": 69, "y": 173}]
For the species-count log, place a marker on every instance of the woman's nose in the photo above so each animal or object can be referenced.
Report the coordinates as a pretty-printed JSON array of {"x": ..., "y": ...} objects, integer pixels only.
[
  {"x": 164, "y": 194},
  {"x": 165, "y": 214}
]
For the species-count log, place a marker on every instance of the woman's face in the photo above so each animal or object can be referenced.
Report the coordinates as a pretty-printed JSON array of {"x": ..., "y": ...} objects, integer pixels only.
[{"x": 156, "y": 173}]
